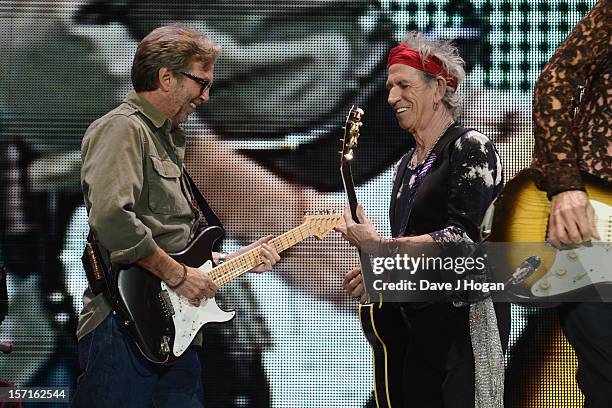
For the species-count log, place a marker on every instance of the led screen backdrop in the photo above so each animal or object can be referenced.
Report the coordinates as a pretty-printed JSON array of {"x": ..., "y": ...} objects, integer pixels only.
[{"x": 263, "y": 150}]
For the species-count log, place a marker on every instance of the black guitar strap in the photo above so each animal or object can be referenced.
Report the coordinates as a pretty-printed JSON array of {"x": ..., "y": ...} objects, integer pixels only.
[{"x": 207, "y": 212}]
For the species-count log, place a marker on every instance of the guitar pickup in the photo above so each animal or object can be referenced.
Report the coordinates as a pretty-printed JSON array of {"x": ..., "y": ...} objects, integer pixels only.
[{"x": 166, "y": 304}]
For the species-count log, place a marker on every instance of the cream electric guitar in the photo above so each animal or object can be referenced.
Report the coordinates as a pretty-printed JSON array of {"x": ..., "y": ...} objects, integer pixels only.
[{"x": 521, "y": 215}]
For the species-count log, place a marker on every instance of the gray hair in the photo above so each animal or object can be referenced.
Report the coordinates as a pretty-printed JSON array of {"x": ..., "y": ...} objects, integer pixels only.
[
  {"x": 448, "y": 54},
  {"x": 174, "y": 47}
]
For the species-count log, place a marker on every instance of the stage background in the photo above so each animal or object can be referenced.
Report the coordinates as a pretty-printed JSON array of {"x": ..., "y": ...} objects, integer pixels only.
[{"x": 262, "y": 150}]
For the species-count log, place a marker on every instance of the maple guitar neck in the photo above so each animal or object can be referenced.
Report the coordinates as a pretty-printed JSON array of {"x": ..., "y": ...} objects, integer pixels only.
[{"x": 235, "y": 267}]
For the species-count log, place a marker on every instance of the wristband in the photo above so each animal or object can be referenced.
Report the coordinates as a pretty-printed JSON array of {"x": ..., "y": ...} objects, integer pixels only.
[{"x": 183, "y": 278}]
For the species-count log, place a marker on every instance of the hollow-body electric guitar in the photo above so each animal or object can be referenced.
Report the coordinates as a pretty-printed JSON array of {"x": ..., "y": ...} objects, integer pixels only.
[
  {"x": 164, "y": 323},
  {"x": 379, "y": 322}
]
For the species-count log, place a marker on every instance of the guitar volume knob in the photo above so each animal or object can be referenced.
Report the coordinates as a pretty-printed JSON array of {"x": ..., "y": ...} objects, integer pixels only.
[{"x": 544, "y": 285}]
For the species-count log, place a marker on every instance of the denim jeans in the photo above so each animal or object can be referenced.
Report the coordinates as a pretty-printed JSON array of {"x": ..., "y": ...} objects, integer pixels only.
[{"x": 115, "y": 374}]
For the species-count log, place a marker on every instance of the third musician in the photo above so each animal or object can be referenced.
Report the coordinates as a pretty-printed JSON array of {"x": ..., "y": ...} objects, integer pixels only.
[{"x": 573, "y": 141}]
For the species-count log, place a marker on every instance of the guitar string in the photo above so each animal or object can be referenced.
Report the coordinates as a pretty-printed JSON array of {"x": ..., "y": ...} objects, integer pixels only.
[
  {"x": 254, "y": 258},
  {"x": 229, "y": 270},
  {"x": 286, "y": 240}
]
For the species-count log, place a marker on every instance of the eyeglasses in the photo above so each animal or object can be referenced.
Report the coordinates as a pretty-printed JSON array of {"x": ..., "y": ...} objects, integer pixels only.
[{"x": 204, "y": 83}]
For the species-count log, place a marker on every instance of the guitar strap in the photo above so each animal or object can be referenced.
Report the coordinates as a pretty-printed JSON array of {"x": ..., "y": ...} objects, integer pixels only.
[
  {"x": 97, "y": 266},
  {"x": 205, "y": 209}
]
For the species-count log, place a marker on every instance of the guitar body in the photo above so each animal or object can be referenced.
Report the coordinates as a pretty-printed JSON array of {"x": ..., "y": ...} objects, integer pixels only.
[
  {"x": 163, "y": 323},
  {"x": 379, "y": 323},
  {"x": 521, "y": 217}
]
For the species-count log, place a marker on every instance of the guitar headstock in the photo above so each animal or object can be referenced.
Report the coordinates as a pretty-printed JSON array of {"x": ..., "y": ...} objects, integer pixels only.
[
  {"x": 351, "y": 134},
  {"x": 322, "y": 222}
]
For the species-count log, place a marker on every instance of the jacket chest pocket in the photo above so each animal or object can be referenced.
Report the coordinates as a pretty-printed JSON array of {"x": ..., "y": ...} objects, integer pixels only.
[{"x": 165, "y": 193}]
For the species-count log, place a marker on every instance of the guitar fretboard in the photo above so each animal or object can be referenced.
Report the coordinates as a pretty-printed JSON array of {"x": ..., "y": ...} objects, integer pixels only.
[{"x": 235, "y": 267}]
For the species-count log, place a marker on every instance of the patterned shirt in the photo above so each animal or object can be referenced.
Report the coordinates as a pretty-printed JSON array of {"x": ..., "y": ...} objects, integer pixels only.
[
  {"x": 571, "y": 109},
  {"x": 474, "y": 181}
]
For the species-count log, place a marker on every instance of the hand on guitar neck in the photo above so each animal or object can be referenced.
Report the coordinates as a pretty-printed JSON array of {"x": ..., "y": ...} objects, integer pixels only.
[
  {"x": 362, "y": 235},
  {"x": 195, "y": 284},
  {"x": 268, "y": 254},
  {"x": 572, "y": 219},
  {"x": 365, "y": 237},
  {"x": 189, "y": 289}
]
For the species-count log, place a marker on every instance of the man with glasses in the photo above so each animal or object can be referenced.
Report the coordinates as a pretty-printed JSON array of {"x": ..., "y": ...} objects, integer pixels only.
[
  {"x": 204, "y": 83},
  {"x": 140, "y": 208}
]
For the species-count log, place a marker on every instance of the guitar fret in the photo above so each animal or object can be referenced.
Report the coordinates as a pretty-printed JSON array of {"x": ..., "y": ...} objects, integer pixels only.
[
  {"x": 277, "y": 244},
  {"x": 236, "y": 267},
  {"x": 281, "y": 243},
  {"x": 284, "y": 241},
  {"x": 298, "y": 234},
  {"x": 302, "y": 234}
]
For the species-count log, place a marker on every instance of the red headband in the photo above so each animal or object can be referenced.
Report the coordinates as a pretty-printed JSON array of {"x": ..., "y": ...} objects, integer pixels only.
[{"x": 402, "y": 54}]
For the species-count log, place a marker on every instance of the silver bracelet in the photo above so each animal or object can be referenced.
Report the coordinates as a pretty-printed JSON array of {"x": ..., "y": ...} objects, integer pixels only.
[
  {"x": 388, "y": 247},
  {"x": 222, "y": 256}
]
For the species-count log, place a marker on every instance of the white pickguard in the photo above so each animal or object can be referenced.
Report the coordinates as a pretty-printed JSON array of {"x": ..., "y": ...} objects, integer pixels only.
[
  {"x": 576, "y": 268},
  {"x": 189, "y": 319}
]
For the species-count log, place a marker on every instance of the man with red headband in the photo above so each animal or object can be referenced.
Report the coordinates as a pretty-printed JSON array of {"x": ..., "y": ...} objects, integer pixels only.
[
  {"x": 404, "y": 55},
  {"x": 441, "y": 191}
]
